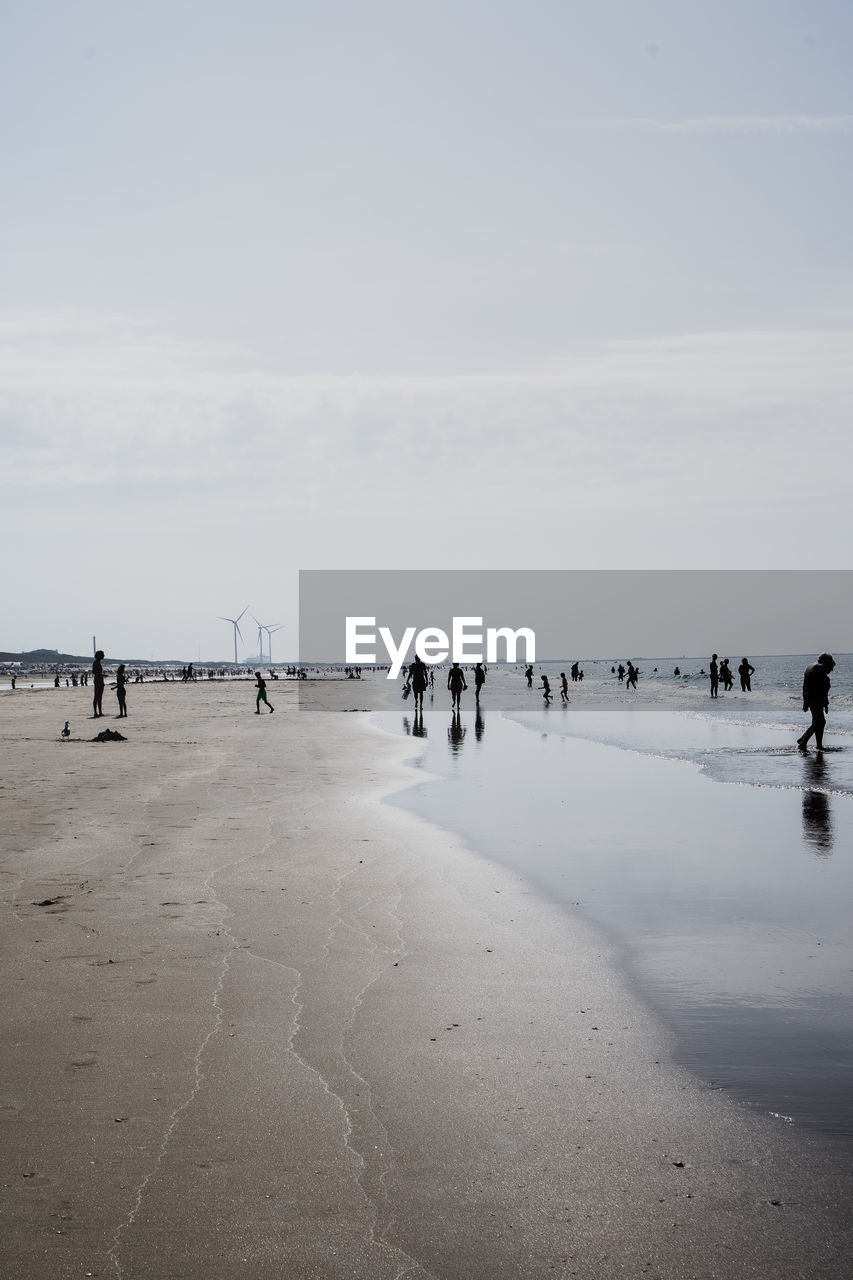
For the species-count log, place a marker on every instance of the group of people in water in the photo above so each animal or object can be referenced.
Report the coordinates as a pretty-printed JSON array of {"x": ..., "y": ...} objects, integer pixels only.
[
  {"x": 721, "y": 673},
  {"x": 418, "y": 677}
]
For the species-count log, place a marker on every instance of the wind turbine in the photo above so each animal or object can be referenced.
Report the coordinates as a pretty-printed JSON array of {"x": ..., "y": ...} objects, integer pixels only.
[
  {"x": 260, "y": 627},
  {"x": 269, "y": 630},
  {"x": 235, "y": 622}
]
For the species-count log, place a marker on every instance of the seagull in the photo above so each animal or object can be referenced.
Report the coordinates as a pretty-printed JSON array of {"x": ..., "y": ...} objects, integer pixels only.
[{"x": 66, "y": 732}]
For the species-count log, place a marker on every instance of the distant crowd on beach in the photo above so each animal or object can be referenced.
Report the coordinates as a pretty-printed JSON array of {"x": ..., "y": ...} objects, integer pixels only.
[{"x": 420, "y": 678}]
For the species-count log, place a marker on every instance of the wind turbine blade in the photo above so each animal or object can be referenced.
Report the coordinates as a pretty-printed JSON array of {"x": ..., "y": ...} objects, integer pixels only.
[{"x": 239, "y": 615}]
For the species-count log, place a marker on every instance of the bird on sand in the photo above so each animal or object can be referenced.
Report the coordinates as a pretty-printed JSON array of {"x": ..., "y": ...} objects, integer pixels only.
[{"x": 66, "y": 732}]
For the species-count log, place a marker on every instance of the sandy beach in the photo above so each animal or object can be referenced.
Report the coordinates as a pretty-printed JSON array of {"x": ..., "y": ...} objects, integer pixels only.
[{"x": 258, "y": 1023}]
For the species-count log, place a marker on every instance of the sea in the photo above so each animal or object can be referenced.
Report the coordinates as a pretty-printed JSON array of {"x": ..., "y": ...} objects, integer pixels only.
[{"x": 715, "y": 856}]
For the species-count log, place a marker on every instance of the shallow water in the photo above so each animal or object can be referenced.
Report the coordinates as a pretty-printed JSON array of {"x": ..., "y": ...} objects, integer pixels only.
[{"x": 730, "y": 904}]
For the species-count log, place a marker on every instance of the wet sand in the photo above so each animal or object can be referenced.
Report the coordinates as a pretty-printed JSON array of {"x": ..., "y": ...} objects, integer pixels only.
[{"x": 257, "y": 1022}]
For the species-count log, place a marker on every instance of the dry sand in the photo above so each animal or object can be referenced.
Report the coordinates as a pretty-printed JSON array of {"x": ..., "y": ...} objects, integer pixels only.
[{"x": 257, "y": 1023}]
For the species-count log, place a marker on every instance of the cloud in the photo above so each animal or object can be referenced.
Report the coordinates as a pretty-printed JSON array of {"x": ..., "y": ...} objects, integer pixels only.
[
  {"x": 183, "y": 480},
  {"x": 710, "y": 126},
  {"x": 156, "y": 424}
]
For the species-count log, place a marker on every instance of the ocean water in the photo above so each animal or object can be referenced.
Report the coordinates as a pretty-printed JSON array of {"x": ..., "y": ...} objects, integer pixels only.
[{"x": 714, "y": 855}]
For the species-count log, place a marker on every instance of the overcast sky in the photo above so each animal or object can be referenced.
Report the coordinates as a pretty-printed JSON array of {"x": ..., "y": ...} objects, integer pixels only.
[{"x": 383, "y": 285}]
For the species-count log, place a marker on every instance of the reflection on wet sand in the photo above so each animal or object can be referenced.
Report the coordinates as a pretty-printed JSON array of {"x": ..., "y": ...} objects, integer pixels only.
[
  {"x": 456, "y": 733},
  {"x": 415, "y": 728},
  {"x": 817, "y": 809}
]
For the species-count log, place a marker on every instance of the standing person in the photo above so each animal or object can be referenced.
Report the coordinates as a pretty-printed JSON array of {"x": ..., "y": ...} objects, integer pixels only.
[
  {"x": 456, "y": 683},
  {"x": 621, "y": 672},
  {"x": 726, "y": 674},
  {"x": 631, "y": 682},
  {"x": 816, "y": 698},
  {"x": 262, "y": 694},
  {"x": 121, "y": 682},
  {"x": 479, "y": 680},
  {"x": 418, "y": 679},
  {"x": 529, "y": 674},
  {"x": 715, "y": 676},
  {"x": 98, "y": 680},
  {"x": 746, "y": 670}
]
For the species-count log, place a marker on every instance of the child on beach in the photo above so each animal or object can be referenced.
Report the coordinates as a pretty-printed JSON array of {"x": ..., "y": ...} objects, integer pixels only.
[
  {"x": 121, "y": 681},
  {"x": 564, "y": 685},
  {"x": 546, "y": 689},
  {"x": 262, "y": 694}
]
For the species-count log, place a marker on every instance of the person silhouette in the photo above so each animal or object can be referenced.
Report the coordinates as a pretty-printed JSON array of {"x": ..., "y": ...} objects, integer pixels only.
[
  {"x": 715, "y": 676},
  {"x": 262, "y": 694},
  {"x": 98, "y": 682},
  {"x": 546, "y": 689},
  {"x": 456, "y": 683},
  {"x": 746, "y": 670},
  {"x": 418, "y": 679},
  {"x": 816, "y": 698},
  {"x": 479, "y": 680},
  {"x": 121, "y": 682}
]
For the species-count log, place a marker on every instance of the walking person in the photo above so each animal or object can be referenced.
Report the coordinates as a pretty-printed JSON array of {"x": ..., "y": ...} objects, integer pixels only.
[
  {"x": 479, "y": 680},
  {"x": 418, "y": 679},
  {"x": 456, "y": 683},
  {"x": 816, "y": 699},
  {"x": 262, "y": 694}
]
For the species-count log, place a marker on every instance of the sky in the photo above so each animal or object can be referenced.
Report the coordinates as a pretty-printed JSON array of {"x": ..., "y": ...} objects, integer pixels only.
[{"x": 374, "y": 285}]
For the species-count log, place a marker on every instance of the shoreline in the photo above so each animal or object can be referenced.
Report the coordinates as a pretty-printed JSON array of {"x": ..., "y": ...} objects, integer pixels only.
[
  {"x": 725, "y": 904},
  {"x": 271, "y": 1020}
]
